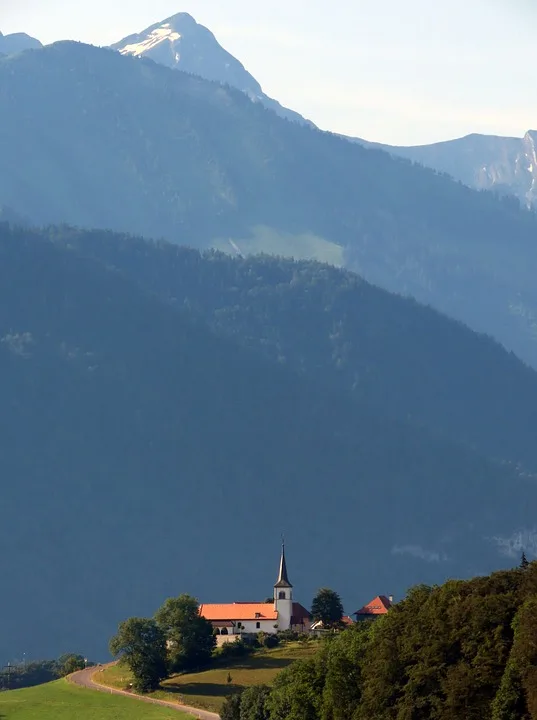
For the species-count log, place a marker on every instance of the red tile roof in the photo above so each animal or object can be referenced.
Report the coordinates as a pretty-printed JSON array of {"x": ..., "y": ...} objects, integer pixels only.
[
  {"x": 346, "y": 620},
  {"x": 379, "y": 606},
  {"x": 239, "y": 611}
]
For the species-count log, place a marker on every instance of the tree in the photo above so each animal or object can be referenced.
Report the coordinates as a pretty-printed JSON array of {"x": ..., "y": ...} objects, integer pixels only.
[
  {"x": 231, "y": 709},
  {"x": 254, "y": 703},
  {"x": 343, "y": 683},
  {"x": 510, "y": 703},
  {"x": 70, "y": 663},
  {"x": 327, "y": 607},
  {"x": 297, "y": 692},
  {"x": 142, "y": 645},
  {"x": 190, "y": 637},
  {"x": 524, "y": 563}
]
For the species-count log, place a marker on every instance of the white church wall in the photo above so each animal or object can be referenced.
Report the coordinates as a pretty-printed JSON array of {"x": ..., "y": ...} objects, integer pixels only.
[{"x": 267, "y": 626}]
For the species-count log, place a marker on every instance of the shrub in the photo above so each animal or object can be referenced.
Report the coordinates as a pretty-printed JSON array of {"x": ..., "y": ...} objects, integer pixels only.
[
  {"x": 271, "y": 641},
  {"x": 237, "y": 648}
]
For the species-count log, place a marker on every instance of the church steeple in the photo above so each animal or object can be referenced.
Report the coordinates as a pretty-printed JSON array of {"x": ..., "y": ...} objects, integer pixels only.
[
  {"x": 283, "y": 579},
  {"x": 283, "y": 595}
]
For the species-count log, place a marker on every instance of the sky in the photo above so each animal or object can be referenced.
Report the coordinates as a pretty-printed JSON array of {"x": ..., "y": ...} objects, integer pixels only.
[{"x": 403, "y": 72}]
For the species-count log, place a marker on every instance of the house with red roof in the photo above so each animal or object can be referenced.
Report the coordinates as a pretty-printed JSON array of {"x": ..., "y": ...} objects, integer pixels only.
[
  {"x": 377, "y": 607},
  {"x": 252, "y": 617}
]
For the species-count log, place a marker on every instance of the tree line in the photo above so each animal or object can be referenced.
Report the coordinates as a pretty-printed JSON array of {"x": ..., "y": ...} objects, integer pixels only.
[
  {"x": 19, "y": 675},
  {"x": 466, "y": 649}
]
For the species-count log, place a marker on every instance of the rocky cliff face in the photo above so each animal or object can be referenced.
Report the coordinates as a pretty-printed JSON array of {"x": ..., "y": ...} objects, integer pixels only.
[
  {"x": 17, "y": 42},
  {"x": 179, "y": 42}
]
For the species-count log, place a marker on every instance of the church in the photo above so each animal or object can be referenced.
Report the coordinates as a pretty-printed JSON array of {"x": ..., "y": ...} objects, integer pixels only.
[{"x": 270, "y": 617}]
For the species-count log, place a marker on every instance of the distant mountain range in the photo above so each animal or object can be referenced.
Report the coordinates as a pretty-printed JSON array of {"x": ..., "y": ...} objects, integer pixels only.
[
  {"x": 17, "y": 42},
  {"x": 180, "y": 43},
  {"x": 505, "y": 165},
  {"x": 130, "y": 145},
  {"x": 166, "y": 414}
]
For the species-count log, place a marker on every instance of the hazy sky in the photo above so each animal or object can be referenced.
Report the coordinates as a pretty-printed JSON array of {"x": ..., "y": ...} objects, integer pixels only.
[{"x": 396, "y": 71}]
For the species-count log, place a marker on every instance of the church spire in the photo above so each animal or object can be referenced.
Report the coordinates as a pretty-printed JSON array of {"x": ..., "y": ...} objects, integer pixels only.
[{"x": 283, "y": 579}]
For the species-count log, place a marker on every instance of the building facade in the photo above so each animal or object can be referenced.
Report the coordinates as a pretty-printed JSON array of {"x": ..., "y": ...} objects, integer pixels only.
[{"x": 282, "y": 613}]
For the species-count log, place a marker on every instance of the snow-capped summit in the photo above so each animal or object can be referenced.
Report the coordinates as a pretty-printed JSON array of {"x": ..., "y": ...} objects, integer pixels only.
[
  {"x": 179, "y": 42},
  {"x": 17, "y": 42}
]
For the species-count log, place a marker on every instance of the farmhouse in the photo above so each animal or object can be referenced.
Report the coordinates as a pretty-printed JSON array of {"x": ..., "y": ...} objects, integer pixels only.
[
  {"x": 378, "y": 606},
  {"x": 253, "y": 617}
]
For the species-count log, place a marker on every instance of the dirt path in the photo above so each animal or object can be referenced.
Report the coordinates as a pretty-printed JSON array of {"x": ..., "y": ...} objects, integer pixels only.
[{"x": 87, "y": 678}]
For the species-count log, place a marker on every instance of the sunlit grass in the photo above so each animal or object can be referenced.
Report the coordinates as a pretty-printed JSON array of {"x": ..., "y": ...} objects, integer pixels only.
[
  {"x": 208, "y": 689},
  {"x": 62, "y": 700}
]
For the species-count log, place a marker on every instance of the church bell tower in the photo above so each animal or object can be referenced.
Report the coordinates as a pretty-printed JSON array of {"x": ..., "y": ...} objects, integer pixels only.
[{"x": 283, "y": 595}]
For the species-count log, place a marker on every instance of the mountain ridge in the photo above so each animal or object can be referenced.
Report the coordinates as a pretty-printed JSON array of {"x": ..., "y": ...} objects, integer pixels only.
[
  {"x": 286, "y": 310},
  {"x": 215, "y": 169},
  {"x": 17, "y": 42},
  {"x": 180, "y": 43},
  {"x": 505, "y": 165}
]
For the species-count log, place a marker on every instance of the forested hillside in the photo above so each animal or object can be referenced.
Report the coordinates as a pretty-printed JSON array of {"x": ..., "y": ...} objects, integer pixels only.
[
  {"x": 462, "y": 650},
  {"x": 99, "y": 140},
  {"x": 142, "y": 456},
  {"x": 404, "y": 360}
]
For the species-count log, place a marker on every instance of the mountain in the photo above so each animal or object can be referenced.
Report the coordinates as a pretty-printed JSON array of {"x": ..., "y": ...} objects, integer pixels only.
[
  {"x": 130, "y": 145},
  {"x": 180, "y": 43},
  {"x": 138, "y": 444},
  {"x": 17, "y": 42},
  {"x": 505, "y": 165},
  {"x": 401, "y": 359},
  {"x": 484, "y": 162}
]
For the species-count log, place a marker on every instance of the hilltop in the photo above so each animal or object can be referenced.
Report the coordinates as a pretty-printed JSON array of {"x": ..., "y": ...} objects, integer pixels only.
[
  {"x": 213, "y": 167},
  {"x": 465, "y": 649},
  {"x": 17, "y": 42}
]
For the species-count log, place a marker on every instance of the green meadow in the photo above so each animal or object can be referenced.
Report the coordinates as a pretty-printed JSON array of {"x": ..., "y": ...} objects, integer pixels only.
[{"x": 61, "y": 700}]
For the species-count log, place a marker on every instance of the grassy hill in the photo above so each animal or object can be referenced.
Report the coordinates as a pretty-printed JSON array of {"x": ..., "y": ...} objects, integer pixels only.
[
  {"x": 130, "y": 145},
  {"x": 62, "y": 701},
  {"x": 208, "y": 689}
]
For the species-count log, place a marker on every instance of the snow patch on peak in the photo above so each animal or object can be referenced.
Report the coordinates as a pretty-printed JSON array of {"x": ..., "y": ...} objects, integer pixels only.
[{"x": 164, "y": 33}]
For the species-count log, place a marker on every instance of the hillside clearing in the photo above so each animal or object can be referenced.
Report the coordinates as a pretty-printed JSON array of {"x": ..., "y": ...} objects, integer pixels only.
[
  {"x": 62, "y": 701},
  {"x": 208, "y": 689}
]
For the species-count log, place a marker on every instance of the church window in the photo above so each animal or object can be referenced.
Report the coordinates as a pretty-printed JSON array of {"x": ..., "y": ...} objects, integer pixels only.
[
  {"x": 258, "y": 625},
  {"x": 281, "y": 595}
]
